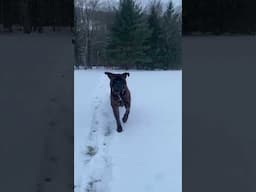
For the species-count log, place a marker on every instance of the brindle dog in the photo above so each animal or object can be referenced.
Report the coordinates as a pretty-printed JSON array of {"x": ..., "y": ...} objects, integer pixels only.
[{"x": 120, "y": 96}]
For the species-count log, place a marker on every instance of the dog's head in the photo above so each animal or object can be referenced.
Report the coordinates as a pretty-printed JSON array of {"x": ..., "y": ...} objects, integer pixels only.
[{"x": 117, "y": 82}]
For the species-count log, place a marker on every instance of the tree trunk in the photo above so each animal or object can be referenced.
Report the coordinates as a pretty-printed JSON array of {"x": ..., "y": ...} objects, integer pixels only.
[
  {"x": 27, "y": 18},
  {"x": 2, "y": 12},
  {"x": 7, "y": 22},
  {"x": 89, "y": 53}
]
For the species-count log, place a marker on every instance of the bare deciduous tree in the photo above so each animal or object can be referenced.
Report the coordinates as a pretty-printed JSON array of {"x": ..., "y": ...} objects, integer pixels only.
[{"x": 86, "y": 26}]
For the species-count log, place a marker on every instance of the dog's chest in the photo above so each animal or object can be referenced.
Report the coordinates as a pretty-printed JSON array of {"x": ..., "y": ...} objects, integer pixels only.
[{"x": 119, "y": 101}]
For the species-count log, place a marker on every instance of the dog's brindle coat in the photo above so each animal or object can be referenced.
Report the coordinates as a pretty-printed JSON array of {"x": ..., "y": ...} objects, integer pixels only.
[{"x": 120, "y": 96}]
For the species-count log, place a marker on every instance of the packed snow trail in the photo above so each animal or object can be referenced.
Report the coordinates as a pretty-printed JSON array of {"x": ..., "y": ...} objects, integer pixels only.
[
  {"x": 146, "y": 156},
  {"x": 92, "y": 155}
]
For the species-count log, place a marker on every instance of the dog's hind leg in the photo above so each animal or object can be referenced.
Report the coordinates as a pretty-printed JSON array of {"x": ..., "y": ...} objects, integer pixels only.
[{"x": 116, "y": 114}]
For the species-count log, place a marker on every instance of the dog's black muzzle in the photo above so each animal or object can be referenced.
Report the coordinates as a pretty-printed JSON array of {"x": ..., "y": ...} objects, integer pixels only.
[
  {"x": 118, "y": 87},
  {"x": 118, "y": 90}
]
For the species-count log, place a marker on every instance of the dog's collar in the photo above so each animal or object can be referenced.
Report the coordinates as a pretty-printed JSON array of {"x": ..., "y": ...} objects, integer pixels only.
[{"x": 121, "y": 94}]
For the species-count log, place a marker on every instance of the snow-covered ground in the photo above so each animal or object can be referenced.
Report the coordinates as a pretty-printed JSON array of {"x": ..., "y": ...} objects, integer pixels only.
[{"x": 146, "y": 156}]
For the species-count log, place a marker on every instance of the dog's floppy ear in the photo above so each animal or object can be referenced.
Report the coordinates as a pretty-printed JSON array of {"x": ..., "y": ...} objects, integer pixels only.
[
  {"x": 110, "y": 75},
  {"x": 125, "y": 75}
]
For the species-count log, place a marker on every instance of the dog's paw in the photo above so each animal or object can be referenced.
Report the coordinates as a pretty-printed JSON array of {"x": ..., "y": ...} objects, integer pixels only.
[
  {"x": 125, "y": 117},
  {"x": 119, "y": 129}
]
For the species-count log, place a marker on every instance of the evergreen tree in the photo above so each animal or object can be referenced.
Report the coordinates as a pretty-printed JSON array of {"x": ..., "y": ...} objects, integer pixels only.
[
  {"x": 155, "y": 40},
  {"x": 172, "y": 35},
  {"x": 126, "y": 45}
]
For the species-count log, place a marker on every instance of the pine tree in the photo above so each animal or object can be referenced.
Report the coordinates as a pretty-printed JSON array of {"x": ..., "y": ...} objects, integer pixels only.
[
  {"x": 126, "y": 45},
  {"x": 172, "y": 36},
  {"x": 155, "y": 40}
]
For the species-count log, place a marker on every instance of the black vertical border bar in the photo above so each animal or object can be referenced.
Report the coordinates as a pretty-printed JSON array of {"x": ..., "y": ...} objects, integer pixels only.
[
  {"x": 37, "y": 111},
  {"x": 219, "y": 112}
]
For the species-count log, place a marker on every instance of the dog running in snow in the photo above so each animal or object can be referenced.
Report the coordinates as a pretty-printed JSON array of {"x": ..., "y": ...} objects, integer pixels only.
[{"x": 119, "y": 96}]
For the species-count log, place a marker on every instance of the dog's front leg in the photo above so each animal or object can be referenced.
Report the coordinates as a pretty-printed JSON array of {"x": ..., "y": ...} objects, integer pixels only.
[
  {"x": 116, "y": 114},
  {"x": 127, "y": 111}
]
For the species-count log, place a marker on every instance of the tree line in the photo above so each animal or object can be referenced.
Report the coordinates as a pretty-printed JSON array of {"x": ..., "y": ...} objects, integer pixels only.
[
  {"x": 34, "y": 15},
  {"x": 218, "y": 16},
  {"x": 127, "y": 35}
]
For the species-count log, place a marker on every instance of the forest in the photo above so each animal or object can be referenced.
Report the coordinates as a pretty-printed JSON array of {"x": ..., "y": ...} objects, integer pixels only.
[
  {"x": 34, "y": 15},
  {"x": 127, "y": 35},
  {"x": 219, "y": 17}
]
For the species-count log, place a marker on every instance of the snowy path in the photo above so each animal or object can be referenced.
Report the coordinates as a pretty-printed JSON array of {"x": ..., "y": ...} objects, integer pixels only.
[
  {"x": 96, "y": 136},
  {"x": 147, "y": 155}
]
